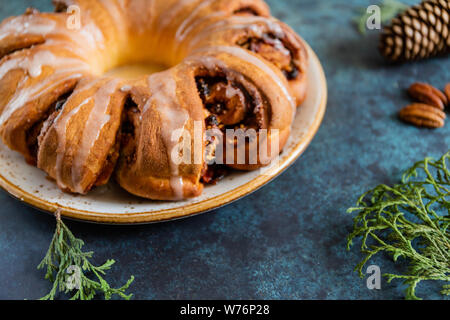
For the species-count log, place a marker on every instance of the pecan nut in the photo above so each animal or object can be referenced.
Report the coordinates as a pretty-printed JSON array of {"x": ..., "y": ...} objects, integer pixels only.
[
  {"x": 423, "y": 115},
  {"x": 447, "y": 92},
  {"x": 428, "y": 94}
]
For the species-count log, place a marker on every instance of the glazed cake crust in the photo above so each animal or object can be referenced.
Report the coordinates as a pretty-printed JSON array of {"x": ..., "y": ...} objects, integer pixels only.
[{"x": 230, "y": 65}]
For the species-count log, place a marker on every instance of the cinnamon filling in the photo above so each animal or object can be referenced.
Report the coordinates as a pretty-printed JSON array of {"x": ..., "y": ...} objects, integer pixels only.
[
  {"x": 274, "y": 50},
  {"x": 247, "y": 11},
  {"x": 130, "y": 121},
  {"x": 229, "y": 104}
]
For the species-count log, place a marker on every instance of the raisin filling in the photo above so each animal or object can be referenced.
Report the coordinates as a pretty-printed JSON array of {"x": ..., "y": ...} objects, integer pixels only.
[
  {"x": 273, "y": 49},
  {"x": 229, "y": 105},
  {"x": 212, "y": 174}
]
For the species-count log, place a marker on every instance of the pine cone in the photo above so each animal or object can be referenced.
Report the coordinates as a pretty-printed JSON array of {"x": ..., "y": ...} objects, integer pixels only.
[{"x": 420, "y": 32}]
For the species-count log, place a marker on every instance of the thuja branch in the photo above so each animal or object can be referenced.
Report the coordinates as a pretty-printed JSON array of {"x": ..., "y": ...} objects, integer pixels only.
[
  {"x": 68, "y": 268},
  {"x": 410, "y": 221}
]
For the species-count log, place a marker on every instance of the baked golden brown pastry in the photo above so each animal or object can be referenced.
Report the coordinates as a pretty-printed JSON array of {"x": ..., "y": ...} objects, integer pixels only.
[{"x": 230, "y": 66}]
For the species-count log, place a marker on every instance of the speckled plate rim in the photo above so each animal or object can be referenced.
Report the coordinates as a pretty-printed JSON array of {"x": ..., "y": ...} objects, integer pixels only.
[{"x": 191, "y": 209}]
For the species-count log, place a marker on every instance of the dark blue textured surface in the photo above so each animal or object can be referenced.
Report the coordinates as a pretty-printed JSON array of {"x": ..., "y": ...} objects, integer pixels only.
[{"x": 287, "y": 241}]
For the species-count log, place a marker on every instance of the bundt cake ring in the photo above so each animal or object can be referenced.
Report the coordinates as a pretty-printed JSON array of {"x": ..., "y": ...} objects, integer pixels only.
[{"x": 230, "y": 65}]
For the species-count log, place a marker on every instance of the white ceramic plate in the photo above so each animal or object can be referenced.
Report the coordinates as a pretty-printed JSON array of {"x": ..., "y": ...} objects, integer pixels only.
[{"x": 110, "y": 204}]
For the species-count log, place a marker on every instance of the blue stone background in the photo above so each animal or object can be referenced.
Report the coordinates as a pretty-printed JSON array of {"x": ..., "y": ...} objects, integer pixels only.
[{"x": 286, "y": 241}]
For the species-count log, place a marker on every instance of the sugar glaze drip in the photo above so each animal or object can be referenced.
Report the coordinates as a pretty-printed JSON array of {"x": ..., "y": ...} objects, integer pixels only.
[
  {"x": 23, "y": 96},
  {"x": 98, "y": 118},
  {"x": 61, "y": 123},
  {"x": 174, "y": 118},
  {"x": 168, "y": 17},
  {"x": 257, "y": 25},
  {"x": 67, "y": 68},
  {"x": 27, "y": 25},
  {"x": 33, "y": 64},
  {"x": 190, "y": 22}
]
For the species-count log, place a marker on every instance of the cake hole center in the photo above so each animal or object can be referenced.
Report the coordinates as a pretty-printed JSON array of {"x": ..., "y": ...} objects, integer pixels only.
[{"x": 135, "y": 70}]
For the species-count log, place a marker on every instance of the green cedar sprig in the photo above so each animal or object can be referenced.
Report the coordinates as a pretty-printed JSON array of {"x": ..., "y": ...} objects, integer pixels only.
[
  {"x": 410, "y": 221},
  {"x": 65, "y": 251},
  {"x": 389, "y": 9}
]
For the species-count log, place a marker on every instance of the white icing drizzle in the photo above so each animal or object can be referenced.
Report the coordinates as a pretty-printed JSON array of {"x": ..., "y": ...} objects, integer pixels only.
[
  {"x": 232, "y": 92},
  {"x": 23, "y": 95},
  {"x": 67, "y": 44},
  {"x": 196, "y": 23},
  {"x": 253, "y": 23},
  {"x": 126, "y": 88},
  {"x": 210, "y": 63},
  {"x": 97, "y": 119},
  {"x": 61, "y": 130},
  {"x": 168, "y": 17},
  {"x": 164, "y": 97},
  {"x": 84, "y": 42},
  {"x": 279, "y": 45},
  {"x": 241, "y": 22},
  {"x": 33, "y": 64},
  {"x": 246, "y": 56},
  {"x": 89, "y": 35},
  {"x": 189, "y": 23},
  {"x": 68, "y": 68},
  {"x": 93, "y": 35},
  {"x": 27, "y": 25}
]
